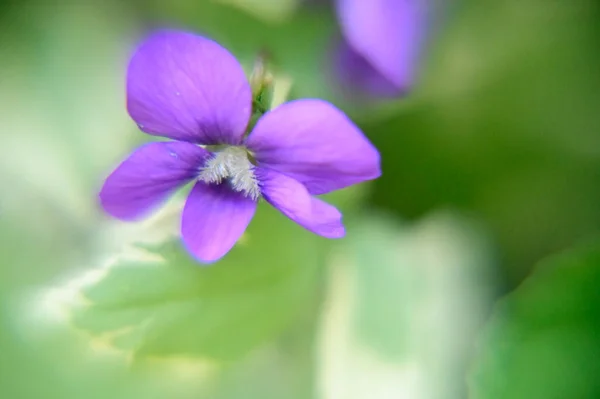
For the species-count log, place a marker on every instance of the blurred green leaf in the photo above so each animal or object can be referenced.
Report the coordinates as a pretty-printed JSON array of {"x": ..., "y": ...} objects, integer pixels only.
[
  {"x": 403, "y": 305},
  {"x": 49, "y": 361},
  {"x": 155, "y": 300},
  {"x": 283, "y": 369},
  {"x": 443, "y": 263},
  {"x": 543, "y": 340}
]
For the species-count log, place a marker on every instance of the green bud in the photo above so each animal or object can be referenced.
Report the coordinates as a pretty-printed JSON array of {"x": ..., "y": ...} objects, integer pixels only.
[{"x": 261, "y": 82}]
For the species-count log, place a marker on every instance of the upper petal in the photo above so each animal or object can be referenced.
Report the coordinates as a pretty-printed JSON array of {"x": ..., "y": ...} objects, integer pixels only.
[
  {"x": 316, "y": 144},
  {"x": 214, "y": 218},
  {"x": 187, "y": 87},
  {"x": 294, "y": 201},
  {"x": 149, "y": 176},
  {"x": 387, "y": 33}
]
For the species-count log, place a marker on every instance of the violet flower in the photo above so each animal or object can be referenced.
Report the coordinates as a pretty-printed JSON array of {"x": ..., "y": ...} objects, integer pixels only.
[
  {"x": 381, "y": 47},
  {"x": 193, "y": 91}
]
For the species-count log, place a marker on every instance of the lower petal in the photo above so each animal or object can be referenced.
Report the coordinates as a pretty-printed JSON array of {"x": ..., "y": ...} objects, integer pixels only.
[
  {"x": 214, "y": 218},
  {"x": 148, "y": 177},
  {"x": 293, "y": 199}
]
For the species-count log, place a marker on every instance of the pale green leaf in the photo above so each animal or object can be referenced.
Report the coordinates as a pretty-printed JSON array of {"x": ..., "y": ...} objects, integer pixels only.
[
  {"x": 155, "y": 300},
  {"x": 403, "y": 305}
]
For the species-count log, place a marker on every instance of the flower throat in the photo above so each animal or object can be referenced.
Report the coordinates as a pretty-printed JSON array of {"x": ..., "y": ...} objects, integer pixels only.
[{"x": 232, "y": 164}]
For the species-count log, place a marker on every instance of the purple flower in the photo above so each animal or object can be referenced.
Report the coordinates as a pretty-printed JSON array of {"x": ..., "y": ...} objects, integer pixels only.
[
  {"x": 382, "y": 44},
  {"x": 191, "y": 90}
]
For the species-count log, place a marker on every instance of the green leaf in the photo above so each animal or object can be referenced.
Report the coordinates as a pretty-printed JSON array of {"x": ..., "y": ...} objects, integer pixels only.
[
  {"x": 282, "y": 369},
  {"x": 543, "y": 340},
  {"x": 403, "y": 306},
  {"x": 156, "y": 301}
]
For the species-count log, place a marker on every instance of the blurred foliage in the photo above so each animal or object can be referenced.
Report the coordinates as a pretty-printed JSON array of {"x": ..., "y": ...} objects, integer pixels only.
[
  {"x": 502, "y": 129},
  {"x": 543, "y": 341},
  {"x": 156, "y": 301},
  {"x": 505, "y": 125},
  {"x": 403, "y": 306}
]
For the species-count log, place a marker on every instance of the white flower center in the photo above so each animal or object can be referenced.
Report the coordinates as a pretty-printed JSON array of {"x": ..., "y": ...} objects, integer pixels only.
[{"x": 233, "y": 166}]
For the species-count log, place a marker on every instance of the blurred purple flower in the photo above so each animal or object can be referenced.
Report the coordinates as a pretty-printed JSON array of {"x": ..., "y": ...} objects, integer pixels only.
[
  {"x": 190, "y": 89},
  {"x": 382, "y": 41}
]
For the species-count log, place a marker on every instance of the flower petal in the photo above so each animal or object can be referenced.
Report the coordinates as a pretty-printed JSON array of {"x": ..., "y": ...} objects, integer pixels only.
[
  {"x": 214, "y": 218},
  {"x": 316, "y": 144},
  {"x": 189, "y": 88},
  {"x": 148, "y": 177},
  {"x": 358, "y": 78},
  {"x": 387, "y": 33},
  {"x": 295, "y": 202}
]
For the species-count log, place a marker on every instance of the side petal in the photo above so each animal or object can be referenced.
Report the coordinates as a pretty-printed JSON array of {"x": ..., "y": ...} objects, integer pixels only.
[
  {"x": 214, "y": 218},
  {"x": 387, "y": 33},
  {"x": 148, "y": 177},
  {"x": 294, "y": 201},
  {"x": 316, "y": 144},
  {"x": 189, "y": 88}
]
